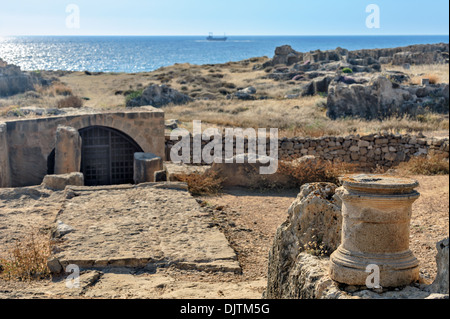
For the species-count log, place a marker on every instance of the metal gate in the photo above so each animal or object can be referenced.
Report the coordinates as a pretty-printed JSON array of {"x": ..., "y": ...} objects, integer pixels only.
[{"x": 107, "y": 156}]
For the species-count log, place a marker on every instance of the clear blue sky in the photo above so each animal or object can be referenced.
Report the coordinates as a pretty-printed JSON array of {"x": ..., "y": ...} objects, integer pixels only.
[{"x": 233, "y": 17}]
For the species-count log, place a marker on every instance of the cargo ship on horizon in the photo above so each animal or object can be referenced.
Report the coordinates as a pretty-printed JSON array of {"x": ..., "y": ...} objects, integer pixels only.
[{"x": 211, "y": 37}]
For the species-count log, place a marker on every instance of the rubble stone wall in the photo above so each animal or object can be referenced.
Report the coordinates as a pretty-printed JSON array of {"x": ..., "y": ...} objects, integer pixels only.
[{"x": 367, "y": 151}]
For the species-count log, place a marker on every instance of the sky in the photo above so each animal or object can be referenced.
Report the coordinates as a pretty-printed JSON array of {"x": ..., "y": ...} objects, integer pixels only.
[{"x": 233, "y": 17}]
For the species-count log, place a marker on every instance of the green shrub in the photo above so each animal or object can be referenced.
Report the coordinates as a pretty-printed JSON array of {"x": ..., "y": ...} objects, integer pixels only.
[
  {"x": 134, "y": 95},
  {"x": 347, "y": 70}
]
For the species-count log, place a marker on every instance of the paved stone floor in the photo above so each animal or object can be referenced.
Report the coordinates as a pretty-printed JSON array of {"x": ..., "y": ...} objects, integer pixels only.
[{"x": 150, "y": 225}]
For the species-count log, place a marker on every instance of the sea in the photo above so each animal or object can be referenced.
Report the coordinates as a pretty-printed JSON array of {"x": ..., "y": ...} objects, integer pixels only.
[{"x": 132, "y": 54}]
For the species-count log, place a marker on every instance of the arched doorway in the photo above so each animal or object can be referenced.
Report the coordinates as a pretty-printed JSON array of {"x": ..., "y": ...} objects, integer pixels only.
[{"x": 107, "y": 156}]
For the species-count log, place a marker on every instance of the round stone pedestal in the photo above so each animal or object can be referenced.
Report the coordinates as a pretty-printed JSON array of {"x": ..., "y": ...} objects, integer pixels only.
[{"x": 376, "y": 212}]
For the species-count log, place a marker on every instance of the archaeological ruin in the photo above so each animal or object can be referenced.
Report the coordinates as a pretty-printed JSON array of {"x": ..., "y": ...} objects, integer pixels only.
[{"x": 101, "y": 145}]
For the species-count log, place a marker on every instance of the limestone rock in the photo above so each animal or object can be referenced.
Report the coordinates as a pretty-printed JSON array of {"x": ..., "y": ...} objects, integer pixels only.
[
  {"x": 62, "y": 229},
  {"x": 59, "y": 182},
  {"x": 440, "y": 284},
  {"x": 54, "y": 266},
  {"x": 314, "y": 217},
  {"x": 14, "y": 81},
  {"x": 318, "y": 85},
  {"x": 246, "y": 94},
  {"x": 286, "y": 55},
  {"x": 172, "y": 124},
  {"x": 381, "y": 98},
  {"x": 159, "y": 95}
]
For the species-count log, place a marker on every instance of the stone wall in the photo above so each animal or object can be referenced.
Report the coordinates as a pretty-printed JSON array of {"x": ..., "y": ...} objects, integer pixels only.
[
  {"x": 30, "y": 141},
  {"x": 367, "y": 151}
]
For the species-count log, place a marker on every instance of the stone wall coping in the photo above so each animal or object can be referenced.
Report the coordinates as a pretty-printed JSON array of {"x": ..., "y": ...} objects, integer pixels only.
[
  {"x": 369, "y": 138},
  {"x": 89, "y": 112}
]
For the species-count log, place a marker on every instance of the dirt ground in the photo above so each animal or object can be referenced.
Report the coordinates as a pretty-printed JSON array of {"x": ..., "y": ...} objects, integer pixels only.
[
  {"x": 249, "y": 220},
  {"x": 263, "y": 213}
]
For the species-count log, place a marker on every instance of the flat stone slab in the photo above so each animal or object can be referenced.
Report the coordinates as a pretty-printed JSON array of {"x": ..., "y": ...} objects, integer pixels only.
[{"x": 148, "y": 225}]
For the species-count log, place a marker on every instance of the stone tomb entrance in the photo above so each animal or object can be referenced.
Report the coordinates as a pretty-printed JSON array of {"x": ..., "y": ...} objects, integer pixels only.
[
  {"x": 110, "y": 138},
  {"x": 107, "y": 156}
]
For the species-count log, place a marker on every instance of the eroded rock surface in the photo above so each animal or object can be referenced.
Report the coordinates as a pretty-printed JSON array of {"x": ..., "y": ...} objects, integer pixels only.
[
  {"x": 14, "y": 81},
  {"x": 314, "y": 221},
  {"x": 159, "y": 95},
  {"x": 382, "y": 97}
]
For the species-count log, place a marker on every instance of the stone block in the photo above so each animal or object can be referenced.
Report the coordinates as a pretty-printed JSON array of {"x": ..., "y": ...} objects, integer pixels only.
[
  {"x": 59, "y": 182},
  {"x": 363, "y": 143},
  {"x": 145, "y": 167}
]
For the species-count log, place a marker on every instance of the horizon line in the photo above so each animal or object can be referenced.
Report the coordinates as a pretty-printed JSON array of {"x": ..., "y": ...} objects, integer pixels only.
[{"x": 235, "y": 35}]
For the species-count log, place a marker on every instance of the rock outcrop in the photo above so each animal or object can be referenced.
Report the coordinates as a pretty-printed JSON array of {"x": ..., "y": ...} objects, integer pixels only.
[
  {"x": 245, "y": 94},
  {"x": 441, "y": 284},
  {"x": 14, "y": 81},
  {"x": 313, "y": 225},
  {"x": 298, "y": 273},
  {"x": 413, "y": 54},
  {"x": 382, "y": 97},
  {"x": 158, "y": 96}
]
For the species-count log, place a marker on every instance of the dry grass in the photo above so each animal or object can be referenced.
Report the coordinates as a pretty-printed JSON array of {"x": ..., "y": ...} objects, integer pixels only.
[
  {"x": 421, "y": 165},
  {"x": 296, "y": 117},
  {"x": 70, "y": 101},
  {"x": 207, "y": 183},
  {"x": 433, "y": 78},
  {"x": 56, "y": 89},
  {"x": 315, "y": 170},
  {"x": 28, "y": 259}
]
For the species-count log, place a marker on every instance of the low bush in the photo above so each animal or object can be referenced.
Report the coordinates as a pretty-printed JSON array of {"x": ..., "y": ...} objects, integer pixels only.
[
  {"x": 28, "y": 259},
  {"x": 315, "y": 170},
  {"x": 133, "y": 95},
  {"x": 61, "y": 89},
  {"x": 208, "y": 183},
  {"x": 347, "y": 70},
  {"x": 70, "y": 101},
  {"x": 421, "y": 165}
]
